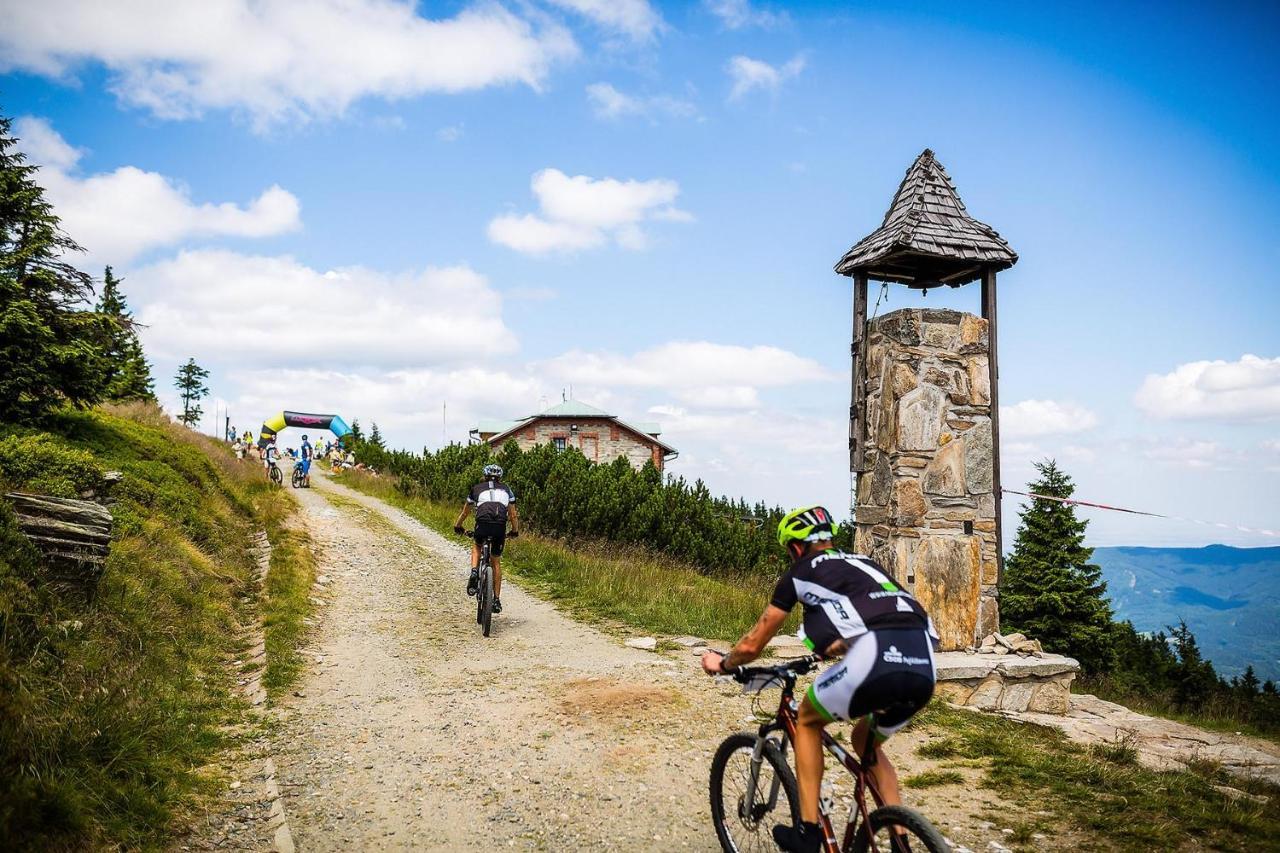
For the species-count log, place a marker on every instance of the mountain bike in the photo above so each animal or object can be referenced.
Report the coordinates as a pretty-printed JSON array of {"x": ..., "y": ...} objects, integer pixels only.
[
  {"x": 273, "y": 473},
  {"x": 753, "y": 788},
  {"x": 299, "y": 478},
  {"x": 484, "y": 593}
]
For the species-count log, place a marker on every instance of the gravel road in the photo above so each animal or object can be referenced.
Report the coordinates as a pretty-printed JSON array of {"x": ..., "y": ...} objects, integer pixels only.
[{"x": 410, "y": 730}]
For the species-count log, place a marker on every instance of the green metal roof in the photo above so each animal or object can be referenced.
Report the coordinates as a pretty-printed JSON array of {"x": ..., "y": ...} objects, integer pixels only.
[
  {"x": 495, "y": 425},
  {"x": 573, "y": 409}
]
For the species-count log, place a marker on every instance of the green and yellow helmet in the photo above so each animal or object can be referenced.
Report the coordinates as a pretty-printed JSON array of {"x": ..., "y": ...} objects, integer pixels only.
[{"x": 807, "y": 524}]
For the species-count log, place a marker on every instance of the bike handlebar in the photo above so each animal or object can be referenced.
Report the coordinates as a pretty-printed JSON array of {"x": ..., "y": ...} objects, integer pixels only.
[{"x": 790, "y": 669}]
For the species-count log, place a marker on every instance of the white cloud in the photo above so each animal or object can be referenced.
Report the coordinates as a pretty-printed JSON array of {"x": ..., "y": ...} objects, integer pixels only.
[
  {"x": 452, "y": 133},
  {"x": 44, "y": 146},
  {"x": 1246, "y": 389},
  {"x": 635, "y": 19},
  {"x": 409, "y": 405},
  {"x": 581, "y": 212},
  {"x": 118, "y": 215},
  {"x": 1190, "y": 453},
  {"x": 248, "y": 310},
  {"x": 1044, "y": 417},
  {"x": 609, "y": 103},
  {"x": 740, "y": 14},
  {"x": 748, "y": 74},
  {"x": 277, "y": 59},
  {"x": 691, "y": 365}
]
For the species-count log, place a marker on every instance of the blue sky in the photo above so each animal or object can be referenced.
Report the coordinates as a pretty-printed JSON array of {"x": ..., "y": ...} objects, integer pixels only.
[{"x": 375, "y": 208}]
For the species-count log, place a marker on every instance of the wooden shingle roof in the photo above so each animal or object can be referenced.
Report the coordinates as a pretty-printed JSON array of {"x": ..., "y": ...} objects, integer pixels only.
[{"x": 927, "y": 238}]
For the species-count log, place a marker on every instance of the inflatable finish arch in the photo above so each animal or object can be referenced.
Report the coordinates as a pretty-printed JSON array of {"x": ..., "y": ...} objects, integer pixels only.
[{"x": 300, "y": 419}]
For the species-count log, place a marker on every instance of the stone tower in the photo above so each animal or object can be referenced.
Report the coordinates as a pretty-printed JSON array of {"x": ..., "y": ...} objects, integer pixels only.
[{"x": 924, "y": 426}]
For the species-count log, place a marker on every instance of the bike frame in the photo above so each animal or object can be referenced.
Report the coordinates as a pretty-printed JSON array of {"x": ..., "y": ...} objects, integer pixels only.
[{"x": 786, "y": 721}]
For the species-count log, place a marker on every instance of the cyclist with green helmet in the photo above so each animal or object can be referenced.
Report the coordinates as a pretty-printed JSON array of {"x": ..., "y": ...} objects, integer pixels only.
[{"x": 884, "y": 639}]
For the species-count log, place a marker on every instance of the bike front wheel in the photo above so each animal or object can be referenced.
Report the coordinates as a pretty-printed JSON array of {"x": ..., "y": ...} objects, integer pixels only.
[
  {"x": 276, "y": 476},
  {"x": 742, "y": 825},
  {"x": 891, "y": 824},
  {"x": 486, "y": 590},
  {"x": 296, "y": 480}
]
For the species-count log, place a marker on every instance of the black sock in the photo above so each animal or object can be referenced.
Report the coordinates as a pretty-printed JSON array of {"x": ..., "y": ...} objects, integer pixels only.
[{"x": 809, "y": 829}]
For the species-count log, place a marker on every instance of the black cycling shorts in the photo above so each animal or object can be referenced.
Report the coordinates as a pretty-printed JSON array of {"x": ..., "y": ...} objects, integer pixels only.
[
  {"x": 495, "y": 532},
  {"x": 887, "y": 671}
]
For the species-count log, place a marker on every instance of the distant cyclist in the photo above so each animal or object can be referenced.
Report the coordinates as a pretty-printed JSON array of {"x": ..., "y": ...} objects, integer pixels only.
[
  {"x": 883, "y": 637},
  {"x": 494, "y": 505},
  {"x": 304, "y": 456},
  {"x": 270, "y": 455}
]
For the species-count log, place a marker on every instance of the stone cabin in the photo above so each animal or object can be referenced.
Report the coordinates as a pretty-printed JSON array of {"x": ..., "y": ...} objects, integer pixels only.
[{"x": 600, "y": 436}]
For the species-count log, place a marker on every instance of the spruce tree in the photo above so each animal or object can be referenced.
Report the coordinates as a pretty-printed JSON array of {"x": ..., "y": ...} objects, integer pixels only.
[
  {"x": 128, "y": 375},
  {"x": 50, "y": 345},
  {"x": 375, "y": 437},
  {"x": 190, "y": 384},
  {"x": 1050, "y": 590}
]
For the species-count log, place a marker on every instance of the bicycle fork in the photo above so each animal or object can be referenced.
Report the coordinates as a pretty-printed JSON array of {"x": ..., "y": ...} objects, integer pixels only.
[{"x": 753, "y": 782}]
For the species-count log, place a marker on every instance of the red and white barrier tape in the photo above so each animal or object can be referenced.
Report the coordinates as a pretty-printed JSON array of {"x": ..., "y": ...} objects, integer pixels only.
[{"x": 1241, "y": 528}]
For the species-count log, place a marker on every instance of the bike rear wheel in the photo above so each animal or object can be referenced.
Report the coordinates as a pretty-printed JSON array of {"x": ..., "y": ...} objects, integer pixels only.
[
  {"x": 889, "y": 823},
  {"x": 742, "y": 826},
  {"x": 276, "y": 476},
  {"x": 296, "y": 480},
  {"x": 486, "y": 615}
]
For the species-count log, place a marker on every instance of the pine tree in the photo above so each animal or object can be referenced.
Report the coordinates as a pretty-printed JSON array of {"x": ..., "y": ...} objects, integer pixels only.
[
  {"x": 190, "y": 384},
  {"x": 1249, "y": 683},
  {"x": 375, "y": 437},
  {"x": 1050, "y": 589},
  {"x": 50, "y": 347},
  {"x": 356, "y": 435},
  {"x": 128, "y": 375}
]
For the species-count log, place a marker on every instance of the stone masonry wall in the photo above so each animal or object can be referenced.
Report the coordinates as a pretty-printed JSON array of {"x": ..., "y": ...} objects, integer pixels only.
[
  {"x": 599, "y": 439},
  {"x": 925, "y": 504}
]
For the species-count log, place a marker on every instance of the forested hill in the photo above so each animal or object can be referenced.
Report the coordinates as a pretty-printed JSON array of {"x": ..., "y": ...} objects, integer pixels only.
[{"x": 1230, "y": 598}]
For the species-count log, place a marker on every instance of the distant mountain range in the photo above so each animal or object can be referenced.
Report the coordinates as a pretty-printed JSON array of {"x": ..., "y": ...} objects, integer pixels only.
[{"x": 1230, "y": 598}]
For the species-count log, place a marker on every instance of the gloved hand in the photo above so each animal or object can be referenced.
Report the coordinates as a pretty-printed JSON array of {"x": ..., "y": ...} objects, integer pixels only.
[
  {"x": 458, "y": 529},
  {"x": 514, "y": 534}
]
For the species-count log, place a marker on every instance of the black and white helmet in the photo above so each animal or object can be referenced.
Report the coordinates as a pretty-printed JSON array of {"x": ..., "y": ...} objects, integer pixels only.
[{"x": 492, "y": 470}]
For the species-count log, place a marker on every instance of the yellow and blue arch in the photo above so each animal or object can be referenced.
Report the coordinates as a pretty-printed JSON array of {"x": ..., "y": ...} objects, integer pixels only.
[{"x": 274, "y": 424}]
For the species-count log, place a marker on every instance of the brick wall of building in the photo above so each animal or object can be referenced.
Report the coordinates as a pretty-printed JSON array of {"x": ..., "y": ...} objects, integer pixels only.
[{"x": 599, "y": 439}]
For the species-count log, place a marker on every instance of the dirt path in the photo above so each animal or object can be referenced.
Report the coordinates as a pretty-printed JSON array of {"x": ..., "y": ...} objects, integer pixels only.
[{"x": 410, "y": 730}]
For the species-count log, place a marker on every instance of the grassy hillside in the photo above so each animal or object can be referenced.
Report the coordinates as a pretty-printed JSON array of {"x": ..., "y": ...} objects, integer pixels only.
[
  {"x": 1230, "y": 598},
  {"x": 109, "y": 703}
]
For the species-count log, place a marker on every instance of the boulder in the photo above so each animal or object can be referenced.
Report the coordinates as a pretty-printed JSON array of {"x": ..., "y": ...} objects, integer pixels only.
[
  {"x": 973, "y": 334},
  {"x": 910, "y": 501},
  {"x": 979, "y": 380},
  {"x": 946, "y": 473},
  {"x": 979, "y": 458},
  {"x": 645, "y": 643},
  {"x": 920, "y": 414}
]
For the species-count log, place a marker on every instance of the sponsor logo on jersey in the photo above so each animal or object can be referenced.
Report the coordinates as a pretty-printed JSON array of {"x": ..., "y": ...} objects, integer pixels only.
[
  {"x": 887, "y": 593},
  {"x": 892, "y": 655},
  {"x": 815, "y": 599},
  {"x": 831, "y": 679}
]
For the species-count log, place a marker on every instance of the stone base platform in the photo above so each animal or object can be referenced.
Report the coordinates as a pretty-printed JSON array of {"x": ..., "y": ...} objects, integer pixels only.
[{"x": 1006, "y": 682}]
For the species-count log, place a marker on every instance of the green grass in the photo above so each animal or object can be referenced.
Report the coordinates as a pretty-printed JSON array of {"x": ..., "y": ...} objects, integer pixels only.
[
  {"x": 933, "y": 778},
  {"x": 286, "y": 596},
  {"x": 111, "y": 702},
  {"x": 604, "y": 582},
  {"x": 1102, "y": 792}
]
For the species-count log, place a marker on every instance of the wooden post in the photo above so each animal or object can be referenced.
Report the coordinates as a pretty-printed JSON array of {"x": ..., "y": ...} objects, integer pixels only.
[
  {"x": 858, "y": 393},
  {"x": 993, "y": 365}
]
